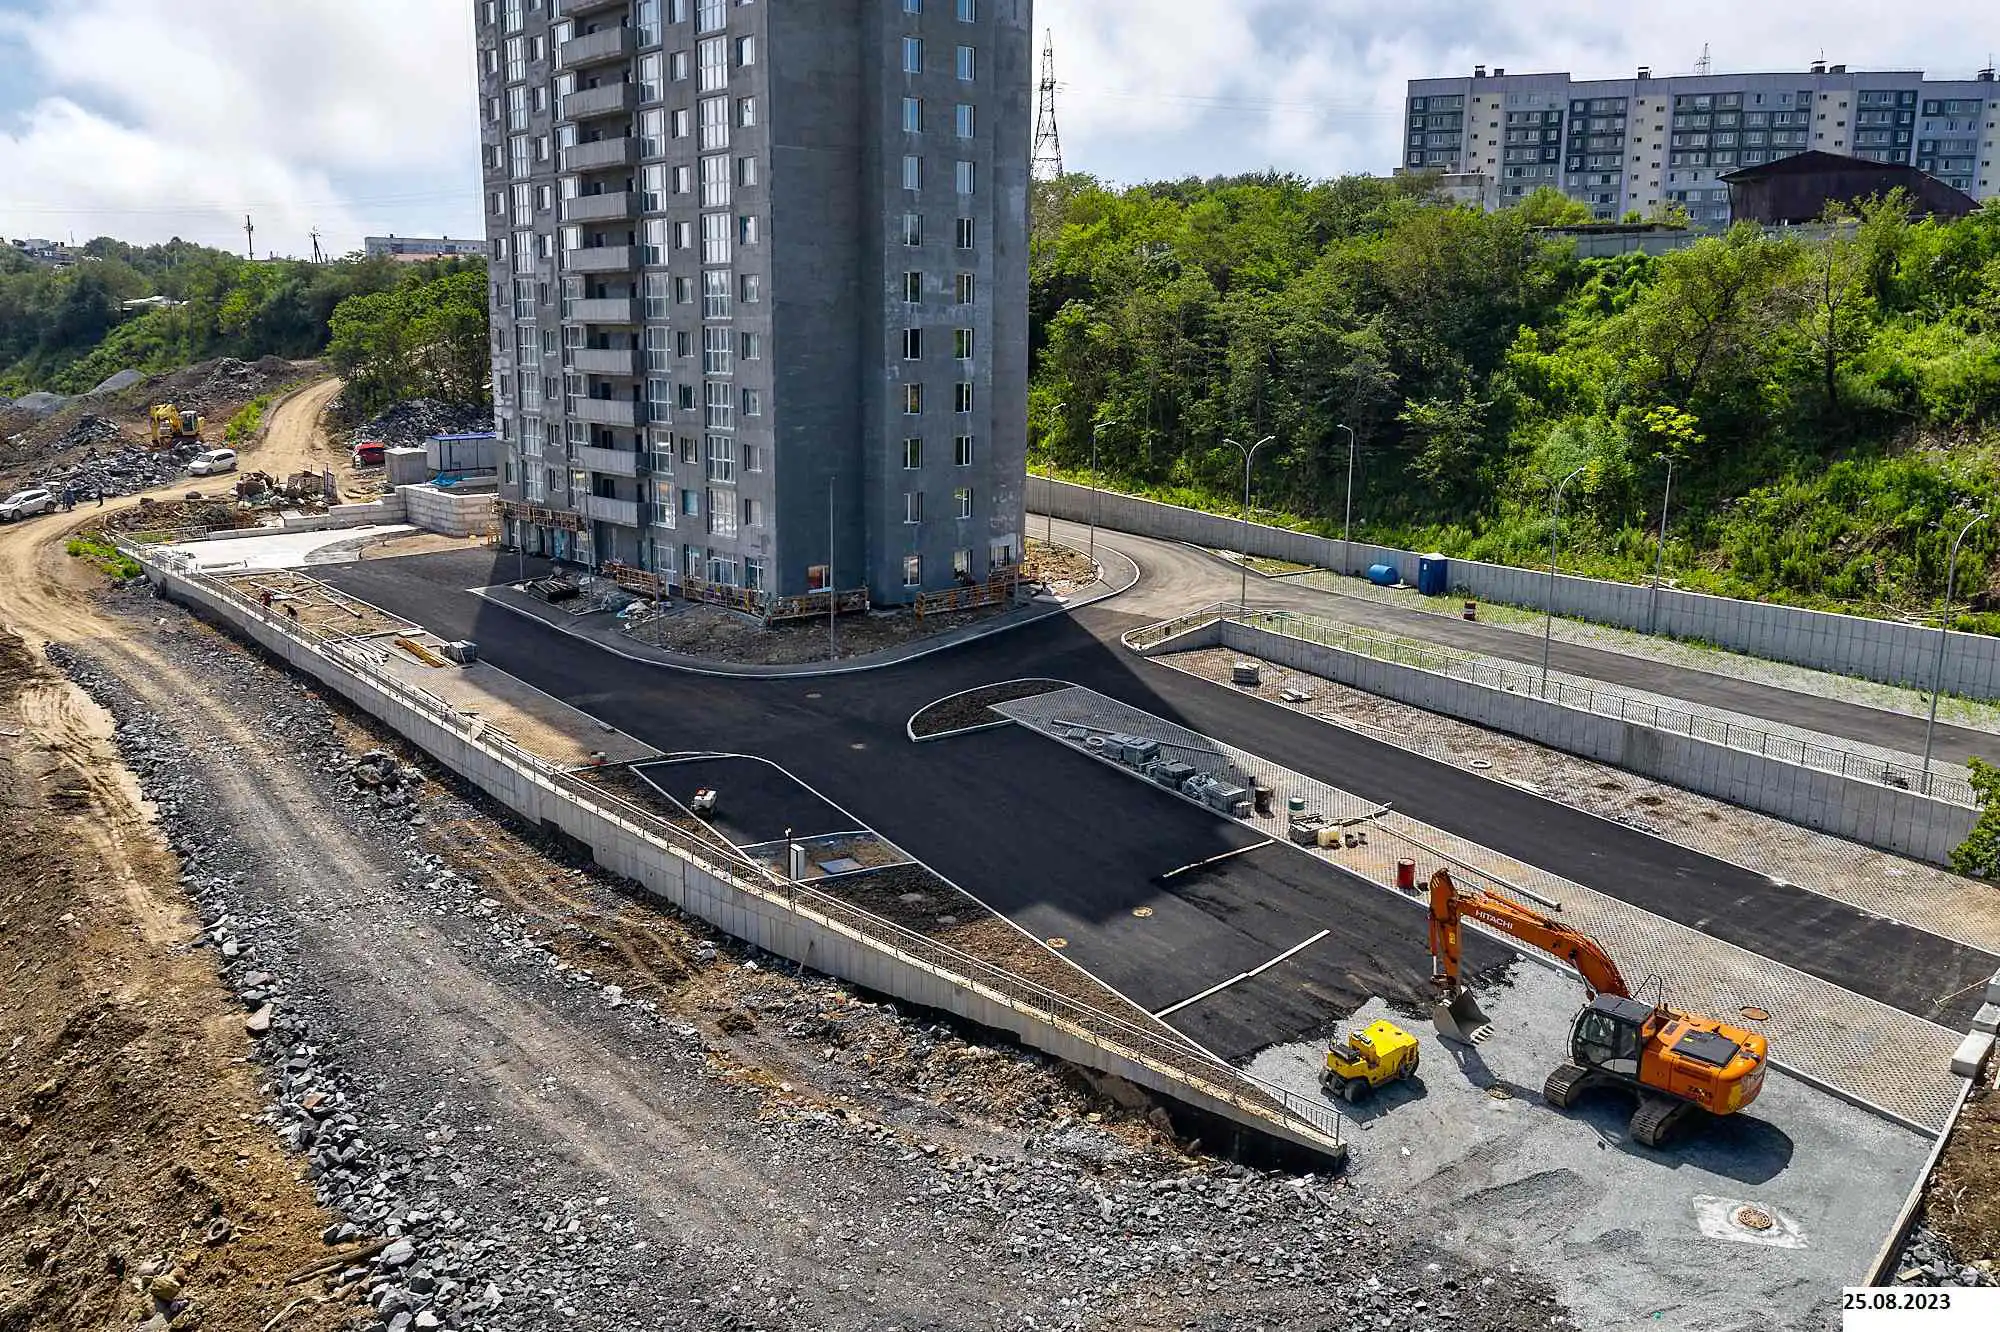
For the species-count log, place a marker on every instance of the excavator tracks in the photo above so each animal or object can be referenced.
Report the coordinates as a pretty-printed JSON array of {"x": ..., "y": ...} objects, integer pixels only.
[
  {"x": 1656, "y": 1119},
  {"x": 1565, "y": 1085}
]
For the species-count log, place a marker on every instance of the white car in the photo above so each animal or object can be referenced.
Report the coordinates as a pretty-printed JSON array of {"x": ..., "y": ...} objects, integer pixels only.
[
  {"x": 26, "y": 504},
  {"x": 213, "y": 462}
]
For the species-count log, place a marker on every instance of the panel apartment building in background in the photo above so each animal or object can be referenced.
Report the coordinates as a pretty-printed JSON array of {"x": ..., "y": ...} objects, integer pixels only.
[
  {"x": 752, "y": 261},
  {"x": 1640, "y": 144}
]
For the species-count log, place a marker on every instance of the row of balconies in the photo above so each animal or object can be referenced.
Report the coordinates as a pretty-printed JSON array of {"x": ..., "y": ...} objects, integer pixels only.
[{"x": 604, "y": 46}]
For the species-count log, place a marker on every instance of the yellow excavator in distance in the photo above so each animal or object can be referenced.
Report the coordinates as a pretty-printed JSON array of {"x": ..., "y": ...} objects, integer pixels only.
[{"x": 172, "y": 426}]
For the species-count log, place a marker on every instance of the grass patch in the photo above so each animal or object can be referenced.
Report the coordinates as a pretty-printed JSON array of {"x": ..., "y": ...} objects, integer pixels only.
[{"x": 104, "y": 555}]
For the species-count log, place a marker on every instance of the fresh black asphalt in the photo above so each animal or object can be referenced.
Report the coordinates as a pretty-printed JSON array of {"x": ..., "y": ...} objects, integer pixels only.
[
  {"x": 1068, "y": 846},
  {"x": 757, "y": 802}
]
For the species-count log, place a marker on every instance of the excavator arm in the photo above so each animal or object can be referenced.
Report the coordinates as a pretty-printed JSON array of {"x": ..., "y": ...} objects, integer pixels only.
[{"x": 1451, "y": 905}]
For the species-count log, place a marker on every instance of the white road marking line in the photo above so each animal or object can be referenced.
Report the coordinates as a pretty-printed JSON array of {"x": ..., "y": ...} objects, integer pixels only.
[{"x": 1242, "y": 975}]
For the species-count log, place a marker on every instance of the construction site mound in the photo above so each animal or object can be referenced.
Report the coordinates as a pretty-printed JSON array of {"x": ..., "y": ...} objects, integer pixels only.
[
  {"x": 181, "y": 515},
  {"x": 409, "y": 424}
]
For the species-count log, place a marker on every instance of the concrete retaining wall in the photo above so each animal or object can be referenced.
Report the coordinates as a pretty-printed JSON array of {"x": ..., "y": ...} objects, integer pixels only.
[
  {"x": 1880, "y": 816},
  {"x": 388, "y": 509},
  {"x": 448, "y": 512},
  {"x": 757, "y": 913},
  {"x": 1846, "y": 644}
]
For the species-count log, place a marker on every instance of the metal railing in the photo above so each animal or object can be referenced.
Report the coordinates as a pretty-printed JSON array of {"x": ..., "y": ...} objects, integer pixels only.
[
  {"x": 1164, "y": 1051},
  {"x": 1856, "y": 763},
  {"x": 1152, "y": 635}
]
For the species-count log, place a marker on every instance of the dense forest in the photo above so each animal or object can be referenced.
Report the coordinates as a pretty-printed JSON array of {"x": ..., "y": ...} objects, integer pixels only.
[
  {"x": 66, "y": 330},
  {"x": 1829, "y": 405}
]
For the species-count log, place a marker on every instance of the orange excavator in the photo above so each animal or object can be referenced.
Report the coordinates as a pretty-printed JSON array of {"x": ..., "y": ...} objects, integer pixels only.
[{"x": 1675, "y": 1062}]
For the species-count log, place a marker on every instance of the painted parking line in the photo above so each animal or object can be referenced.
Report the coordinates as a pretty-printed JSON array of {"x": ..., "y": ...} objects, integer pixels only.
[{"x": 1214, "y": 990}]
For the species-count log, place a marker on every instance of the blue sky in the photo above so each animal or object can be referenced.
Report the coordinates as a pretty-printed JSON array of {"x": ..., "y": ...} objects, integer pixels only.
[{"x": 147, "y": 119}]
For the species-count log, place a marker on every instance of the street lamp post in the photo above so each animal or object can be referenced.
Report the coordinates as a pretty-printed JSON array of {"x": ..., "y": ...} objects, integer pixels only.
[
  {"x": 1049, "y": 537},
  {"x": 1347, "y": 527},
  {"x": 1549, "y": 607},
  {"x": 1249, "y": 456},
  {"x": 1944, "y": 634},
  {"x": 1094, "y": 431},
  {"x": 1660, "y": 565}
]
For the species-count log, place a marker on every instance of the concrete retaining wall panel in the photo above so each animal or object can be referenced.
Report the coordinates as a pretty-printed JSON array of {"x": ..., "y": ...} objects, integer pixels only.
[
  {"x": 1849, "y": 645},
  {"x": 1894, "y": 820}
]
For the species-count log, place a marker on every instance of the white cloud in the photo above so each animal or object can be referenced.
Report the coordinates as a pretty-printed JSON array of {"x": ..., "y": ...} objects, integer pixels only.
[{"x": 176, "y": 117}]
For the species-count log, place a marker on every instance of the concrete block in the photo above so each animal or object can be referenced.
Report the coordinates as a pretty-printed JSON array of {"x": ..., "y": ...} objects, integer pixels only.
[
  {"x": 1993, "y": 989},
  {"x": 1987, "y": 1019},
  {"x": 1972, "y": 1054}
]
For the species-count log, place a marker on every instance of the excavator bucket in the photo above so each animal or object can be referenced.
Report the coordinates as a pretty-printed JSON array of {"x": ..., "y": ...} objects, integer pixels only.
[{"x": 1462, "y": 1019}]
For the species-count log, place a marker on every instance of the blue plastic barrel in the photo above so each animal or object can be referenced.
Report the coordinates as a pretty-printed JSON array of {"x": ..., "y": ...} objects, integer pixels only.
[
  {"x": 1433, "y": 575},
  {"x": 1384, "y": 575}
]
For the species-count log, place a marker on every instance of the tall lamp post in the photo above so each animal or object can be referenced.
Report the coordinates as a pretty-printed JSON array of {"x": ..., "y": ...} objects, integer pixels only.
[
  {"x": 1660, "y": 565},
  {"x": 1094, "y": 432},
  {"x": 1249, "y": 456},
  {"x": 1347, "y": 527},
  {"x": 1049, "y": 538},
  {"x": 1944, "y": 634},
  {"x": 1549, "y": 606}
]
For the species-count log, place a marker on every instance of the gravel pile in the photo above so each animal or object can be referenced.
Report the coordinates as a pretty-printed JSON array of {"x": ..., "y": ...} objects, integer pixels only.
[
  {"x": 1928, "y": 1261},
  {"x": 213, "y": 386},
  {"x": 882, "y": 1195},
  {"x": 409, "y": 424}
]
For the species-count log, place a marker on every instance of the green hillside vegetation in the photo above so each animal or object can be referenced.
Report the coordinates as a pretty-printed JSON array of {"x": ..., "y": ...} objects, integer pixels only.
[
  {"x": 66, "y": 331},
  {"x": 1829, "y": 405}
]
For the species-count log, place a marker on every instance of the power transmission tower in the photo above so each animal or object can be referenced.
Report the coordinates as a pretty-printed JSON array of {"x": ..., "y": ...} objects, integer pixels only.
[
  {"x": 1705, "y": 65},
  {"x": 318, "y": 256},
  {"x": 1048, "y": 164},
  {"x": 249, "y": 240}
]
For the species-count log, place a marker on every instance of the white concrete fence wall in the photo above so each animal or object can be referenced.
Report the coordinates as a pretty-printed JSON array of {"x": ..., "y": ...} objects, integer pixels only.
[
  {"x": 1882, "y": 816},
  {"x": 448, "y": 512},
  {"x": 799, "y": 925},
  {"x": 1881, "y": 650}
]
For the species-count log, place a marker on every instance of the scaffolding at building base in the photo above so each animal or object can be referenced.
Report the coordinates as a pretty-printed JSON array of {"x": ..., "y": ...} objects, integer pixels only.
[
  {"x": 761, "y": 605},
  {"x": 997, "y": 590}
]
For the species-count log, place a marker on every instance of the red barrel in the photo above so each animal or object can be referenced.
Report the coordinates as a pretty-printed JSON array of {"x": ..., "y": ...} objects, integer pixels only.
[{"x": 1406, "y": 875}]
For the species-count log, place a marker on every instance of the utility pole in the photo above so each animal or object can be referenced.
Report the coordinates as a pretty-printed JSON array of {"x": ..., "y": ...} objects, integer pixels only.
[
  {"x": 1944, "y": 636},
  {"x": 1249, "y": 456},
  {"x": 1048, "y": 159},
  {"x": 1094, "y": 487},
  {"x": 319, "y": 257},
  {"x": 1549, "y": 607},
  {"x": 249, "y": 240},
  {"x": 1660, "y": 566},
  {"x": 1050, "y": 538},
  {"x": 1347, "y": 527}
]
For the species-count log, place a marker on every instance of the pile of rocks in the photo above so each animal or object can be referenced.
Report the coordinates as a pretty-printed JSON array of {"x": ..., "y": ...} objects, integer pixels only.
[
  {"x": 214, "y": 386},
  {"x": 1928, "y": 1261},
  {"x": 409, "y": 424},
  {"x": 123, "y": 471},
  {"x": 384, "y": 783}
]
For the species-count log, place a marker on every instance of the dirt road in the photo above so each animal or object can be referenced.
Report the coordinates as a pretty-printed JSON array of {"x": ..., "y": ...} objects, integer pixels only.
[{"x": 294, "y": 441}]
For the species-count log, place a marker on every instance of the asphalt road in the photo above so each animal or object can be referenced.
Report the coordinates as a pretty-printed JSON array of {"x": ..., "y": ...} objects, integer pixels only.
[
  {"x": 1180, "y": 578},
  {"x": 1069, "y": 851}
]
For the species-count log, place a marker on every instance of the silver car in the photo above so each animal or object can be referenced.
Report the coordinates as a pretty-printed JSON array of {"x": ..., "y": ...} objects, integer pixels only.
[{"x": 26, "y": 504}]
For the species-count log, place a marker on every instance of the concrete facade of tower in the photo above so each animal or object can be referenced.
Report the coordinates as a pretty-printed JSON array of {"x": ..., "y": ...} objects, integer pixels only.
[
  {"x": 759, "y": 285},
  {"x": 1645, "y": 143}
]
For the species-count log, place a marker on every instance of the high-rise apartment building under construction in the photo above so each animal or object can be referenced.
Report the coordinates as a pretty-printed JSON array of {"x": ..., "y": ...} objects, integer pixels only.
[{"x": 759, "y": 285}]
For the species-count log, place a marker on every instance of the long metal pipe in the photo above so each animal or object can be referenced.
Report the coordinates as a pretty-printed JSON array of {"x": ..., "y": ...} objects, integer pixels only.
[{"x": 1549, "y": 606}]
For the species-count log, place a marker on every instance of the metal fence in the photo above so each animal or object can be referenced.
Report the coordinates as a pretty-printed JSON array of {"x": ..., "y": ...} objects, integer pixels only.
[
  {"x": 1164, "y": 1051},
  {"x": 1856, "y": 762}
]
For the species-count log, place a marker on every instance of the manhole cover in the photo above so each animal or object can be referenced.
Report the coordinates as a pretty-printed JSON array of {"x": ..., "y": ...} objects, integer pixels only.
[
  {"x": 1499, "y": 1093},
  {"x": 1482, "y": 764},
  {"x": 1757, "y": 1014},
  {"x": 1142, "y": 912},
  {"x": 815, "y": 695},
  {"x": 1057, "y": 941},
  {"x": 857, "y": 745},
  {"x": 1751, "y": 1217}
]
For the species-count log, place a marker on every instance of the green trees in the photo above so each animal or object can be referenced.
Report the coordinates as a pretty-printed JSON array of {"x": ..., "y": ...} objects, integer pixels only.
[
  {"x": 67, "y": 330},
  {"x": 1824, "y": 400},
  {"x": 426, "y": 338}
]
